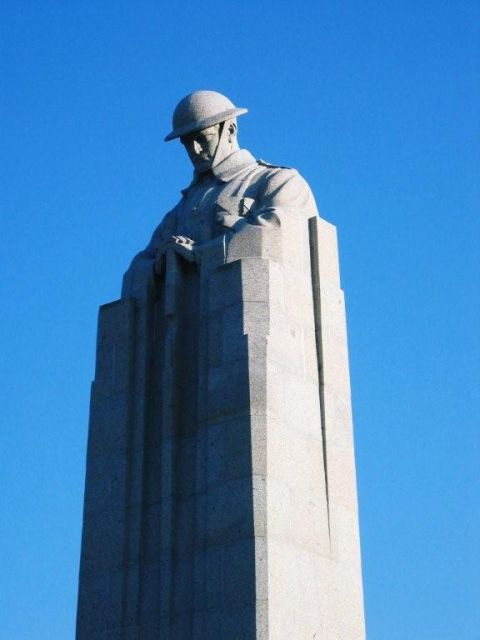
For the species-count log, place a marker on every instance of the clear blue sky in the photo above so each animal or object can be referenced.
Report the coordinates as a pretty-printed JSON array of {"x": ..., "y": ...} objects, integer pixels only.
[{"x": 377, "y": 104}]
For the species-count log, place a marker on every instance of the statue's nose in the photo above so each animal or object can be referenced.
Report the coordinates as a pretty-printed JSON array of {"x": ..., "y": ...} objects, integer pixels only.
[{"x": 197, "y": 147}]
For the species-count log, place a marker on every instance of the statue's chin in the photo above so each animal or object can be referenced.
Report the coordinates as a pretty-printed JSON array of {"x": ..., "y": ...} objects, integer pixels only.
[{"x": 203, "y": 166}]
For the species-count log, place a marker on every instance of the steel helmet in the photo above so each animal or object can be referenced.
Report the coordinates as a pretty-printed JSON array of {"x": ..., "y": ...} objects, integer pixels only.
[{"x": 199, "y": 110}]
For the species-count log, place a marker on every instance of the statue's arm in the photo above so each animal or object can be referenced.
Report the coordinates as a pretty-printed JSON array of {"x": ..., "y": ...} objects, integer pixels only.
[
  {"x": 278, "y": 192},
  {"x": 282, "y": 191},
  {"x": 143, "y": 266}
]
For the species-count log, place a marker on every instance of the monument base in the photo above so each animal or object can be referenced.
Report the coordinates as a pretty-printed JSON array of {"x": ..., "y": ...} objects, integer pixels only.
[{"x": 220, "y": 497}]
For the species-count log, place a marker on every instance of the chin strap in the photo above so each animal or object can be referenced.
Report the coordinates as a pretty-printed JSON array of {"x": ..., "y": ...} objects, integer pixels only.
[{"x": 223, "y": 149}]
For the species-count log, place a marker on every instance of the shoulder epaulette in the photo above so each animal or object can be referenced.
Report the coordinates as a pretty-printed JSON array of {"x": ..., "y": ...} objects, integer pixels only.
[{"x": 263, "y": 163}]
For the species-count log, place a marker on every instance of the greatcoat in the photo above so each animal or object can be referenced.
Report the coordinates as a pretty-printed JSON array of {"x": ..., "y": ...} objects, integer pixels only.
[{"x": 238, "y": 191}]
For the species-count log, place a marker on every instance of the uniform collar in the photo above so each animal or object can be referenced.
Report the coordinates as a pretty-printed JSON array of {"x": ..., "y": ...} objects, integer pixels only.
[
  {"x": 233, "y": 164},
  {"x": 228, "y": 168}
]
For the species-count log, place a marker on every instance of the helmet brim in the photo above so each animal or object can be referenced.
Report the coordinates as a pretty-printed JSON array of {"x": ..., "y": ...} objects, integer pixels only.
[{"x": 193, "y": 127}]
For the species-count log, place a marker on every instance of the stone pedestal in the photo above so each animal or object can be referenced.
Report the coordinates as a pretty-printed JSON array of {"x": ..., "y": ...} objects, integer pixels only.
[{"x": 220, "y": 499}]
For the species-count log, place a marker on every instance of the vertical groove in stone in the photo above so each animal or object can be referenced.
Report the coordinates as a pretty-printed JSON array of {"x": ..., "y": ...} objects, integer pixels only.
[
  {"x": 139, "y": 427},
  {"x": 257, "y": 333},
  {"x": 187, "y": 427},
  {"x": 315, "y": 273},
  {"x": 201, "y": 454},
  {"x": 166, "y": 370}
]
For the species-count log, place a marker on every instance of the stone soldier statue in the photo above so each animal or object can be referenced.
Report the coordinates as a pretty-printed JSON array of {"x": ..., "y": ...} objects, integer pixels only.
[
  {"x": 230, "y": 189},
  {"x": 220, "y": 499}
]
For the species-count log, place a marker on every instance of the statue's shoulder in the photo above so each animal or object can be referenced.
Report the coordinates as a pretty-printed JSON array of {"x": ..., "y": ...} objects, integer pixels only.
[
  {"x": 279, "y": 176},
  {"x": 278, "y": 172},
  {"x": 284, "y": 186}
]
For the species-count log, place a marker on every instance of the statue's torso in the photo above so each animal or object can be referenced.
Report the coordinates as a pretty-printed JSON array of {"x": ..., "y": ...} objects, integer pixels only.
[
  {"x": 199, "y": 214},
  {"x": 195, "y": 215},
  {"x": 240, "y": 187}
]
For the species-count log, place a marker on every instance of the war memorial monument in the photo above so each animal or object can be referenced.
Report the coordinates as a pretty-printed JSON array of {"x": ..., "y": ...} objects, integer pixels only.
[{"x": 220, "y": 498}]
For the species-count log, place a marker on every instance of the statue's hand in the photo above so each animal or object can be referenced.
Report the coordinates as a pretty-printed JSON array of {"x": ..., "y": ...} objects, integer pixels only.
[
  {"x": 231, "y": 220},
  {"x": 185, "y": 247},
  {"x": 228, "y": 219},
  {"x": 232, "y": 211}
]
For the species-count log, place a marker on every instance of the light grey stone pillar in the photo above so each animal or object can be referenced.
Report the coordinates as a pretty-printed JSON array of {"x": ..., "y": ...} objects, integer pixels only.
[{"x": 220, "y": 496}]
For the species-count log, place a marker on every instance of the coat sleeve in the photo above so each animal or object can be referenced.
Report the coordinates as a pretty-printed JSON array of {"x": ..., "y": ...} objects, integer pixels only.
[
  {"x": 282, "y": 191},
  {"x": 140, "y": 273}
]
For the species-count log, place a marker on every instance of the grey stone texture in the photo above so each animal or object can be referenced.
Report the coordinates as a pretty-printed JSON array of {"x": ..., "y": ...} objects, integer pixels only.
[{"x": 220, "y": 499}]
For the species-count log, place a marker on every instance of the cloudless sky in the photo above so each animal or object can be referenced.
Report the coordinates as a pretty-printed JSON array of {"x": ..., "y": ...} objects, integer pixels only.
[{"x": 376, "y": 103}]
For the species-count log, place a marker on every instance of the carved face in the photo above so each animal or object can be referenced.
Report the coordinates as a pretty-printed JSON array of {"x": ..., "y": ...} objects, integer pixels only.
[{"x": 201, "y": 147}]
